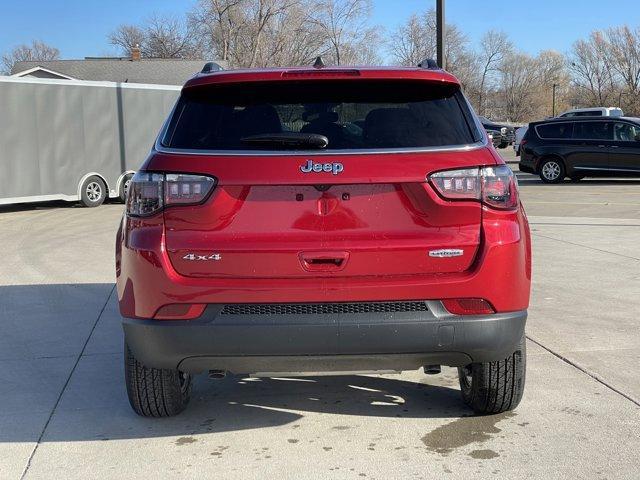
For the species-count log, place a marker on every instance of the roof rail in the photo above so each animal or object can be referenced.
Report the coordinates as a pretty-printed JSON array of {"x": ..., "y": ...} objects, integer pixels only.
[
  {"x": 211, "y": 67},
  {"x": 429, "y": 64}
]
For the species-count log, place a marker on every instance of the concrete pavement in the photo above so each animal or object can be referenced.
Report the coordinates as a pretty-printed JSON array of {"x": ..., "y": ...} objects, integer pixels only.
[{"x": 64, "y": 411}]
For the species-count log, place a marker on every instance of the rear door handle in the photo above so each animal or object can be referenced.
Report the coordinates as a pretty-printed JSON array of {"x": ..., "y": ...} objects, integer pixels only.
[{"x": 324, "y": 261}]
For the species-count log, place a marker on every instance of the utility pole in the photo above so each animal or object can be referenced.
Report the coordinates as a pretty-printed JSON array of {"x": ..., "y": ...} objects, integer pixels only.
[
  {"x": 555, "y": 85},
  {"x": 440, "y": 33}
]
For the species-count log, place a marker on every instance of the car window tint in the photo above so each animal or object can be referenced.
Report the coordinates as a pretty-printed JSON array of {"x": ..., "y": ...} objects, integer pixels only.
[
  {"x": 352, "y": 115},
  {"x": 625, "y": 132},
  {"x": 554, "y": 130},
  {"x": 592, "y": 131}
]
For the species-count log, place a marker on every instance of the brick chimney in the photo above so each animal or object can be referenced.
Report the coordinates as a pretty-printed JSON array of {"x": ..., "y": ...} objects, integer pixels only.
[{"x": 135, "y": 53}]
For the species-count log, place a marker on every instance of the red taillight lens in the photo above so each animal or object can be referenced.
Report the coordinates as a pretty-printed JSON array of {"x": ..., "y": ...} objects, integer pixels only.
[
  {"x": 468, "y": 306},
  {"x": 499, "y": 187},
  {"x": 495, "y": 186},
  {"x": 146, "y": 195},
  {"x": 149, "y": 193}
]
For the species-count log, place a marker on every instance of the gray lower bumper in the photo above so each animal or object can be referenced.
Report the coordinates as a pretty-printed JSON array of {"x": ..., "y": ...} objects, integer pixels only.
[{"x": 324, "y": 342}]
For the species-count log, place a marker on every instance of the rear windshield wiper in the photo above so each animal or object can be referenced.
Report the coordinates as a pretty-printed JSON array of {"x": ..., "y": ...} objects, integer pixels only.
[{"x": 287, "y": 140}]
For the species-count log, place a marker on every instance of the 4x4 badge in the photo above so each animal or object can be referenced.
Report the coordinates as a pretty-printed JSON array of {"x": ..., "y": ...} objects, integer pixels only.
[
  {"x": 202, "y": 258},
  {"x": 311, "y": 166},
  {"x": 446, "y": 253}
]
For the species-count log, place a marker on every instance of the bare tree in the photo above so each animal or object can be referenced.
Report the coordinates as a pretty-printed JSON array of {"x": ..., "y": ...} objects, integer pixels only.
[
  {"x": 37, "y": 51},
  {"x": 623, "y": 48},
  {"x": 218, "y": 24},
  {"x": 494, "y": 48},
  {"x": 127, "y": 37},
  {"x": 518, "y": 80},
  {"x": 291, "y": 39},
  {"x": 592, "y": 74},
  {"x": 415, "y": 40},
  {"x": 160, "y": 37},
  {"x": 412, "y": 41},
  {"x": 343, "y": 24}
]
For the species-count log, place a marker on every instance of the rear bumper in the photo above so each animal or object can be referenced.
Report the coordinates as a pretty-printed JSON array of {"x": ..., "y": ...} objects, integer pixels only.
[{"x": 257, "y": 343}]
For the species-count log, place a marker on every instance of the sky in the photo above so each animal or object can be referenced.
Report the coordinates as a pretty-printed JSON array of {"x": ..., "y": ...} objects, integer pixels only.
[{"x": 79, "y": 28}]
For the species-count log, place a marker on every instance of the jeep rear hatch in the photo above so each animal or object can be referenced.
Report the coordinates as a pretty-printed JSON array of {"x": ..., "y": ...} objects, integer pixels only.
[{"x": 357, "y": 204}]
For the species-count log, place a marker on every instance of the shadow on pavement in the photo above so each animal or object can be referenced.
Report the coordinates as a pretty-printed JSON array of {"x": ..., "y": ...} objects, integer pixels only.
[{"x": 43, "y": 346}]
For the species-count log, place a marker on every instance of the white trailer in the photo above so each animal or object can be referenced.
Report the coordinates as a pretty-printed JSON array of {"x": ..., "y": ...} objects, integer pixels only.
[{"x": 75, "y": 140}]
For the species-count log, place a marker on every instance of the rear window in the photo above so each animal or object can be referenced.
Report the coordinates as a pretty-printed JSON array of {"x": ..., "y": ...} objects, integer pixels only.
[
  {"x": 554, "y": 130},
  {"x": 589, "y": 113},
  {"x": 351, "y": 115}
]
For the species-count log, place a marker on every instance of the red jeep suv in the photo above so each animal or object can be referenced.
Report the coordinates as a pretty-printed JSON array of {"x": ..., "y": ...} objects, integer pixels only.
[{"x": 302, "y": 220}]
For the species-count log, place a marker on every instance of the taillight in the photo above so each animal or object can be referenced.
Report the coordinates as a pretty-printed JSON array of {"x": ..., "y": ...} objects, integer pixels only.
[
  {"x": 499, "y": 187},
  {"x": 468, "y": 306},
  {"x": 458, "y": 184},
  {"x": 146, "y": 194},
  {"x": 495, "y": 186},
  {"x": 187, "y": 189},
  {"x": 149, "y": 192}
]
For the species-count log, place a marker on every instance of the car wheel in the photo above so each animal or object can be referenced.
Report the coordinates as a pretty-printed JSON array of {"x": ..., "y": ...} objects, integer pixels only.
[
  {"x": 124, "y": 187},
  {"x": 93, "y": 192},
  {"x": 503, "y": 145},
  {"x": 155, "y": 392},
  {"x": 495, "y": 387},
  {"x": 552, "y": 171}
]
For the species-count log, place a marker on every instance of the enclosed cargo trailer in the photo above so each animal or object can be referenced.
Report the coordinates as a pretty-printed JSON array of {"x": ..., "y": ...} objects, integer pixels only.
[{"x": 75, "y": 140}]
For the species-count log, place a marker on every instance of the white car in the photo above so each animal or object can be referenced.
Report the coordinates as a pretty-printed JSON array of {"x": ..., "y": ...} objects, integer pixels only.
[
  {"x": 593, "y": 112},
  {"x": 520, "y": 133}
]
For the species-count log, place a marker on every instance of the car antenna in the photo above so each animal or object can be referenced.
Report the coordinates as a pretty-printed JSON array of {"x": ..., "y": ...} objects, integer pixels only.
[{"x": 319, "y": 63}]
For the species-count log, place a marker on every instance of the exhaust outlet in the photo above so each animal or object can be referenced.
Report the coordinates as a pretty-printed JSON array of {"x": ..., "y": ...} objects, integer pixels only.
[{"x": 432, "y": 369}]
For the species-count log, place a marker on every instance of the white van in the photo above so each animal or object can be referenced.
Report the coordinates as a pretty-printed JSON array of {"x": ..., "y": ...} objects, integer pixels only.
[{"x": 593, "y": 112}]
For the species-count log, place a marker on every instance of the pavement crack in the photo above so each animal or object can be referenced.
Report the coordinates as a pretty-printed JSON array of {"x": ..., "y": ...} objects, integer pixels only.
[
  {"x": 66, "y": 384},
  {"x": 585, "y": 371},
  {"x": 585, "y": 246}
]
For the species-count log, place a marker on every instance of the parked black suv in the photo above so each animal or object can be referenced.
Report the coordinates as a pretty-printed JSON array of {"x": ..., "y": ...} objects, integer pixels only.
[
  {"x": 503, "y": 135},
  {"x": 580, "y": 147}
]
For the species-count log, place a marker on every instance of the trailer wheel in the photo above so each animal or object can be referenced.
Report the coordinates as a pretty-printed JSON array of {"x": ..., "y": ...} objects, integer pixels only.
[
  {"x": 93, "y": 192},
  {"x": 124, "y": 187}
]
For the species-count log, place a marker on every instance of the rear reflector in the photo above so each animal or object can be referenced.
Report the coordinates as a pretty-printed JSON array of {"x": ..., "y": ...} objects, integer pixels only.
[
  {"x": 468, "y": 306},
  {"x": 180, "y": 311}
]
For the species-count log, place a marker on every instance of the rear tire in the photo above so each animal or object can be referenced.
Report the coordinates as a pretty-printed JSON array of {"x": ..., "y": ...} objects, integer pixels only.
[
  {"x": 495, "y": 387},
  {"x": 155, "y": 392},
  {"x": 93, "y": 192},
  {"x": 124, "y": 187},
  {"x": 552, "y": 171}
]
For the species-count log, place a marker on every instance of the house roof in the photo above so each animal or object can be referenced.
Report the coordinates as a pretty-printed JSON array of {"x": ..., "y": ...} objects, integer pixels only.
[{"x": 157, "y": 71}]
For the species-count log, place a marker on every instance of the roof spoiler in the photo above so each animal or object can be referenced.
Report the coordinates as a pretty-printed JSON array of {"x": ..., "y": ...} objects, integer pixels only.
[
  {"x": 429, "y": 64},
  {"x": 211, "y": 67}
]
